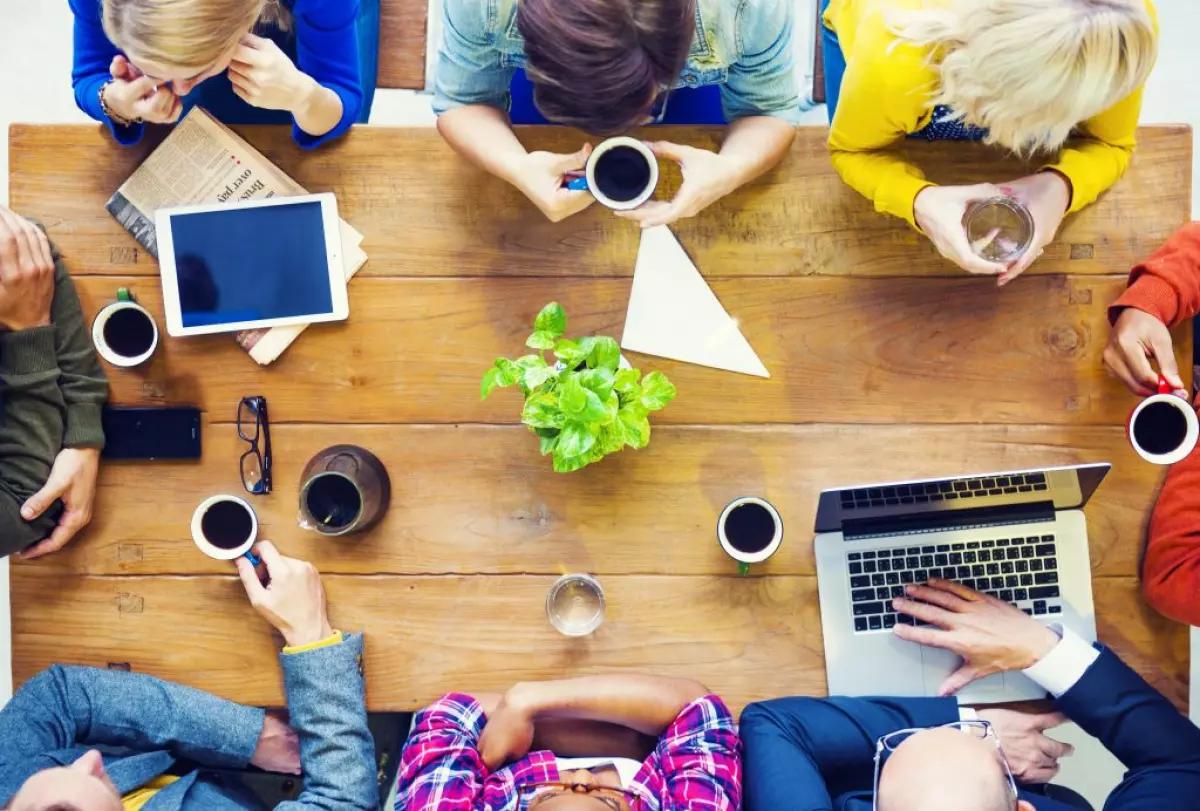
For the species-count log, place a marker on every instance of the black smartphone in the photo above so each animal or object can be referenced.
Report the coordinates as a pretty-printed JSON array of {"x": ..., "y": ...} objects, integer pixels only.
[{"x": 172, "y": 432}]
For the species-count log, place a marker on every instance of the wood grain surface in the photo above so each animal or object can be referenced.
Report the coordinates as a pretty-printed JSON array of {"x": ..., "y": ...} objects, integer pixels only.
[
  {"x": 922, "y": 350},
  {"x": 745, "y": 638},
  {"x": 425, "y": 212},
  {"x": 479, "y": 499},
  {"x": 402, "y": 34},
  {"x": 887, "y": 364}
]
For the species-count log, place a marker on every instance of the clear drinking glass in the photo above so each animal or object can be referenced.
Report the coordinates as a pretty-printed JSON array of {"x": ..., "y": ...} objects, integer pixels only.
[
  {"x": 575, "y": 605},
  {"x": 999, "y": 229}
]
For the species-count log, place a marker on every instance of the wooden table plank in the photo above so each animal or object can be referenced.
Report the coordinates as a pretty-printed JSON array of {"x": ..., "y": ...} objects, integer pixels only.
[
  {"x": 402, "y": 36},
  {"x": 426, "y": 212},
  {"x": 745, "y": 638},
  {"x": 841, "y": 350},
  {"x": 480, "y": 499}
]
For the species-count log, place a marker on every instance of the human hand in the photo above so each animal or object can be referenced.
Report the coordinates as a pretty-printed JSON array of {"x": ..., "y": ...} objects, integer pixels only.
[
  {"x": 1136, "y": 337},
  {"x": 26, "y": 273},
  {"x": 72, "y": 479},
  {"x": 292, "y": 600},
  {"x": 508, "y": 734},
  {"x": 1031, "y": 754},
  {"x": 263, "y": 76},
  {"x": 1047, "y": 196},
  {"x": 991, "y": 636},
  {"x": 278, "y": 748},
  {"x": 939, "y": 211},
  {"x": 707, "y": 177},
  {"x": 540, "y": 177},
  {"x": 131, "y": 98}
]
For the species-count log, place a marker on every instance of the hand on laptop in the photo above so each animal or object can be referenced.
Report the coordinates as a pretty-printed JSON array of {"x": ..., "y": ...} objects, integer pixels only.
[
  {"x": 991, "y": 636},
  {"x": 1032, "y": 755}
]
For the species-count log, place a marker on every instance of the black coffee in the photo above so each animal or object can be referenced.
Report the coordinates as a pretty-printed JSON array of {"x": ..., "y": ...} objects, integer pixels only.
[
  {"x": 129, "y": 333},
  {"x": 226, "y": 525},
  {"x": 333, "y": 501},
  {"x": 749, "y": 528},
  {"x": 1160, "y": 428},
  {"x": 622, "y": 173}
]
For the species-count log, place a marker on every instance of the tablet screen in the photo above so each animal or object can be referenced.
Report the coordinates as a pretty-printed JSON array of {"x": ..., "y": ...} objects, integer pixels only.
[{"x": 251, "y": 264}]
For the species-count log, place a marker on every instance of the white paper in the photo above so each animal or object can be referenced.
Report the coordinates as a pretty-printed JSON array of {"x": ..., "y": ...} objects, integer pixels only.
[{"x": 673, "y": 313}]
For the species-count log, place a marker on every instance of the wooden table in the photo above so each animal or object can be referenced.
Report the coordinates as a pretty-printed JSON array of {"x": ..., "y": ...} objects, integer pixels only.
[{"x": 887, "y": 363}]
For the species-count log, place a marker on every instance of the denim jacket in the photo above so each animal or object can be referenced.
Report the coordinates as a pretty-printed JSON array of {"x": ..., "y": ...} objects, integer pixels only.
[{"x": 745, "y": 46}]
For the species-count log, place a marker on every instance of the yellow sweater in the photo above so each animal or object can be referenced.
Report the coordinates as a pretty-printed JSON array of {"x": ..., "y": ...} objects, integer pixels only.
[{"x": 884, "y": 97}]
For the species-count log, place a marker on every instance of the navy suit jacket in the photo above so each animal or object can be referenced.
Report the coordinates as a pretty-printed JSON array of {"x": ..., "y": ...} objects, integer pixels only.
[
  {"x": 812, "y": 754},
  {"x": 143, "y": 726}
]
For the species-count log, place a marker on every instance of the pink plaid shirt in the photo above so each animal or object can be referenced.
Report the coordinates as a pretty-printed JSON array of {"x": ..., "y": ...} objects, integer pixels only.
[{"x": 695, "y": 766}]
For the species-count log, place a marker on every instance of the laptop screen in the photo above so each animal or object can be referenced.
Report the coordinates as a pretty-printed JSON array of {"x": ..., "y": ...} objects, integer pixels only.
[{"x": 988, "y": 494}]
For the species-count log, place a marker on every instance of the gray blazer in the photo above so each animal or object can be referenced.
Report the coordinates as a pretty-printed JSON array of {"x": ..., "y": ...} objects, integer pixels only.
[{"x": 143, "y": 725}]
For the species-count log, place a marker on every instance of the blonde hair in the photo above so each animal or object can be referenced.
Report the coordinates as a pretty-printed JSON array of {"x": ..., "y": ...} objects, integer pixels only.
[
  {"x": 1031, "y": 70},
  {"x": 186, "y": 33}
]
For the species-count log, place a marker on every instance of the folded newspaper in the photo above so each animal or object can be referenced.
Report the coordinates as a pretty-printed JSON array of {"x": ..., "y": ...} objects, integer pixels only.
[{"x": 203, "y": 162}]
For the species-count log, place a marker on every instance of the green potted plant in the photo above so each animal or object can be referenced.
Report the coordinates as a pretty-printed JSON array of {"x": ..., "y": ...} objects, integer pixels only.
[{"x": 588, "y": 403}]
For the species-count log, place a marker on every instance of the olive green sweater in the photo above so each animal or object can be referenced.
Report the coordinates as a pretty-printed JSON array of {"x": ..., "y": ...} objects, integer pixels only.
[{"x": 52, "y": 388}]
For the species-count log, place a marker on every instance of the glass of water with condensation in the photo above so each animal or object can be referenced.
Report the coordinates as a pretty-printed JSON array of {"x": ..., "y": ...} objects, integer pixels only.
[
  {"x": 999, "y": 229},
  {"x": 575, "y": 604}
]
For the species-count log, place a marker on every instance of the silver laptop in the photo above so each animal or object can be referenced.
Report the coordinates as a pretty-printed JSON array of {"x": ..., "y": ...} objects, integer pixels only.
[{"x": 1019, "y": 536}]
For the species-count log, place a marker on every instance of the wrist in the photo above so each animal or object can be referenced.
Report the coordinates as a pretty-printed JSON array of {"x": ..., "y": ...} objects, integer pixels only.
[
  {"x": 1057, "y": 185},
  {"x": 111, "y": 111},
  {"x": 304, "y": 94},
  {"x": 299, "y": 637},
  {"x": 1038, "y": 646}
]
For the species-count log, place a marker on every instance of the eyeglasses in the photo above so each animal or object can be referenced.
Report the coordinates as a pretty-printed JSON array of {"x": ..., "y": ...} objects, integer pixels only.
[
  {"x": 252, "y": 427},
  {"x": 538, "y": 793},
  {"x": 980, "y": 730}
]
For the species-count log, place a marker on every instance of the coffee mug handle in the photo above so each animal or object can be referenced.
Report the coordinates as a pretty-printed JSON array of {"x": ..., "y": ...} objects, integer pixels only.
[
  {"x": 254, "y": 559},
  {"x": 743, "y": 569},
  {"x": 577, "y": 184},
  {"x": 1163, "y": 386},
  {"x": 123, "y": 294}
]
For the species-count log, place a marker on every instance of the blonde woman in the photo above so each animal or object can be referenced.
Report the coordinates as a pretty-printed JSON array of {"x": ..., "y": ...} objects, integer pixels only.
[
  {"x": 310, "y": 63},
  {"x": 1055, "y": 78}
]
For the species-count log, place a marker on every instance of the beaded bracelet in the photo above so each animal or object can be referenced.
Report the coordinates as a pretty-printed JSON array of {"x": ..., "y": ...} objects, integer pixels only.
[{"x": 120, "y": 121}]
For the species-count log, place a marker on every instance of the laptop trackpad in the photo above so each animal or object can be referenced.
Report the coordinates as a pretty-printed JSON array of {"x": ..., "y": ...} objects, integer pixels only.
[{"x": 939, "y": 664}]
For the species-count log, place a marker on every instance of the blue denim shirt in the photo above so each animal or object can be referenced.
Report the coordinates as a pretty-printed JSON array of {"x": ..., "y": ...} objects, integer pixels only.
[{"x": 745, "y": 46}]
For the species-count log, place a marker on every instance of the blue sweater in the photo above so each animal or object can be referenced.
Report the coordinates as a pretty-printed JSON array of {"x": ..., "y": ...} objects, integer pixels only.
[{"x": 326, "y": 49}]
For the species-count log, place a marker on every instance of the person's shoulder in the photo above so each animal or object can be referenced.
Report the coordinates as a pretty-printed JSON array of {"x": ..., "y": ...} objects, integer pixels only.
[{"x": 88, "y": 9}]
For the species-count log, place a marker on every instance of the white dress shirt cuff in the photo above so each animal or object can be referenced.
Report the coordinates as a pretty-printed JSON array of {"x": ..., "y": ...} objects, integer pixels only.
[
  {"x": 966, "y": 713},
  {"x": 1063, "y": 667}
]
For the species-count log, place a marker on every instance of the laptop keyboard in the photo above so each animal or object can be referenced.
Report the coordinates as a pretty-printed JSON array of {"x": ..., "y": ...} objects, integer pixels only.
[{"x": 1021, "y": 571}]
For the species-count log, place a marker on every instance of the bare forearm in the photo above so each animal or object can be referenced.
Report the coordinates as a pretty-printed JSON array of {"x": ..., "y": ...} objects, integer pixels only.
[
  {"x": 484, "y": 136},
  {"x": 570, "y": 737},
  {"x": 757, "y": 143},
  {"x": 318, "y": 110},
  {"x": 647, "y": 704}
]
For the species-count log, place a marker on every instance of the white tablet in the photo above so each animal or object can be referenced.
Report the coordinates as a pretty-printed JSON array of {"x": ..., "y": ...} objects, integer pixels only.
[{"x": 260, "y": 263}]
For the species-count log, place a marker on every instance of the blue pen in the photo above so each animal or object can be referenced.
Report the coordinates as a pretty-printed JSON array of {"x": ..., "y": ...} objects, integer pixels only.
[
  {"x": 578, "y": 183},
  {"x": 254, "y": 559}
]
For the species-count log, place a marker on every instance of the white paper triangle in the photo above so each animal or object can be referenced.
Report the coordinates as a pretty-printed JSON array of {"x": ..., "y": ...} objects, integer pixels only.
[{"x": 673, "y": 313}]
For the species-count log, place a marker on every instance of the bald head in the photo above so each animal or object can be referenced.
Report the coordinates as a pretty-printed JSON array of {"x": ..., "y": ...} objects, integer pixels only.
[{"x": 944, "y": 770}]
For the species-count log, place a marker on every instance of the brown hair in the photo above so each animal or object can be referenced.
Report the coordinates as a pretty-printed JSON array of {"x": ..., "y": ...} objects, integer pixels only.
[
  {"x": 599, "y": 64},
  {"x": 186, "y": 33}
]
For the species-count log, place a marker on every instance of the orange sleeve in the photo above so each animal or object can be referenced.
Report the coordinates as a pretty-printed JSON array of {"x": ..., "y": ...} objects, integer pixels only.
[
  {"x": 1171, "y": 572},
  {"x": 1167, "y": 285}
]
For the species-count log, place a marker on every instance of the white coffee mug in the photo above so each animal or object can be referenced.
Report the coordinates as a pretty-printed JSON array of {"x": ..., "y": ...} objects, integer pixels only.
[
  {"x": 125, "y": 301},
  {"x": 743, "y": 557},
  {"x": 1185, "y": 429},
  {"x": 603, "y": 148},
  {"x": 220, "y": 552}
]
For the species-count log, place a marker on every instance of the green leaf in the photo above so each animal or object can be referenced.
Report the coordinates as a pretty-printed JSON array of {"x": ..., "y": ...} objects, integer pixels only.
[
  {"x": 636, "y": 425},
  {"x": 598, "y": 380},
  {"x": 605, "y": 354},
  {"x": 541, "y": 411},
  {"x": 491, "y": 380},
  {"x": 537, "y": 375},
  {"x": 657, "y": 391},
  {"x": 569, "y": 353},
  {"x": 541, "y": 340},
  {"x": 567, "y": 464},
  {"x": 572, "y": 397},
  {"x": 611, "y": 406},
  {"x": 576, "y": 439},
  {"x": 611, "y": 439},
  {"x": 546, "y": 444},
  {"x": 509, "y": 372},
  {"x": 626, "y": 383},
  {"x": 552, "y": 319}
]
